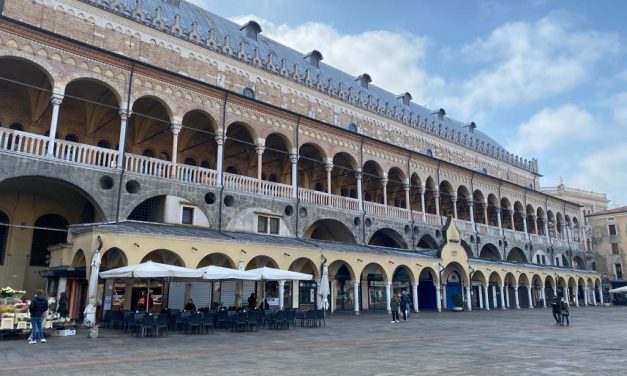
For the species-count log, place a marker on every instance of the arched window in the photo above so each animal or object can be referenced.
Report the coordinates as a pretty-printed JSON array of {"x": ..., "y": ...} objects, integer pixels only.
[
  {"x": 4, "y": 232},
  {"x": 426, "y": 152},
  {"x": 205, "y": 164},
  {"x": 248, "y": 93},
  {"x": 148, "y": 153},
  {"x": 352, "y": 127},
  {"x": 232, "y": 170},
  {"x": 104, "y": 144},
  {"x": 51, "y": 230},
  {"x": 273, "y": 178},
  {"x": 71, "y": 137},
  {"x": 482, "y": 170},
  {"x": 19, "y": 127},
  {"x": 190, "y": 161}
]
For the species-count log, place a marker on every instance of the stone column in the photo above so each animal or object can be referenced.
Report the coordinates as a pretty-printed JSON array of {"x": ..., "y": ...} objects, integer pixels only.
[
  {"x": 259, "y": 149},
  {"x": 525, "y": 226},
  {"x": 567, "y": 294},
  {"x": 436, "y": 194},
  {"x": 438, "y": 297},
  {"x": 414, "y": 296},
  {"x": 281, "y": 293},
  {"x": 507, "y": 296},
  {"x": 358, "y": 176},
  {"x": 176, "y": 129},
  {"x": 294, "y": 162},
  {"x": 122, "y": 139},
  {"x": 485, "y": 212},
  {"x": 454, "y": 199},
  {"x": 388, "y": 296},
  {"x": 601, "y": 294},
  {"x": 384, "y": 183},
  {"x": 529, "y": 295},
  {"x": 468, "y": 300},
  {"x": 502, "y": 297},
  {"x": 406, "y": 187},
  {"x": 444, "y": 299},
  {"x": 585, "y": 296},
  {"x": 535, "y": 224},
  {"x": 495, "y": 303},
  {"x": 546, "y": 228},
  {"x": 356, "y": 294},
  {"x": 328, "y": 167},
  {"x": 593, "y": 296},
  {"x": 511, "y": 218},
  {"x": 471, "y": 207},
  {"x": 56, "y": 103},
  {"x": 498, "y": 218},
  {"x": 487, "y": 299},
  {"x": 480, "y": 289},
  {"x": 422, "y": 203},
  {"x": 219, "y": 159},
  {"x": 543, "y": 296}
]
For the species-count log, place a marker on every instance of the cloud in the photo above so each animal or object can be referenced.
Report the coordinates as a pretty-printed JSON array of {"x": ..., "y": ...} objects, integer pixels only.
[
  {"x": 553, "y": 126},
  {"x": 530, "y": 61},
  {"x": 605, "y": 171},
  {"x": 617, "y": 104},
  {"x": 393, "y": 60}
]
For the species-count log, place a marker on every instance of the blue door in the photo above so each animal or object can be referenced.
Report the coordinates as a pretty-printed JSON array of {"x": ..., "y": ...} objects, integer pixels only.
[{"x": 453, "y": 287}]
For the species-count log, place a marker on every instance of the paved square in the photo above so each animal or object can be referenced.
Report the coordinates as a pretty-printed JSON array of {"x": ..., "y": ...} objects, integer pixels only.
[{"x": 524, "y": 342}]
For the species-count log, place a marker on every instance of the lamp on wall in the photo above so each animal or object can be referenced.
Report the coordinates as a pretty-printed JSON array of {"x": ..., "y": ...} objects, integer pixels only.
[
  {"x": 391, "y": 262},
  {"x": 136, "y": 245},
  {"x": 241, "y": 250},
  {"x": 287, "y": 254},
  {"x": 360, "y": 260},
  {"x": 194, "y": 249}
]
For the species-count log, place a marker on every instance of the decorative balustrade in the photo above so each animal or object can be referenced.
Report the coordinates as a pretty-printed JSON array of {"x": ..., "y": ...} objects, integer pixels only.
[
  {"x": 148, "y": 166},
  {"x": 482, "y": 229},
  {"x": 509, "y": 234},
  {"x": 313, "y": 197},
  {"x": 380, "y": 210},
  {"x": 23, "y": 142},
  {"x": 346, "y": 203},
  {"x": 433, "y": 219},
  {"x": 196, "y": 175},
  {"x": 85, "y": 154},
  {"x": 494, "y": 231},
  {"x": 464, "y": 225}
]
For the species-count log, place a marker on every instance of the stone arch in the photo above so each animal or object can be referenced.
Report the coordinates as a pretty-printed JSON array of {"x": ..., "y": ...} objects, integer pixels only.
[
  {"x": 467, "y": 248},
  {"x": 335, "y": 266},
  {"x": 427, "y": 241},
  {"x": 447, "y": 194},
  {"x": 276, "y": 166},
  {"x": 151, "y": 119},
  {"x": 79, "y": 260},
  {"x": 341, "y": 274},
  {"x": 427, "y": 280},
  {"x": 415, "y": 186},
  {"x": 396, "y": 187},
  {"x": 578, "y": 263},
  {"x": 113, "y": 258},
  {"x": 50, "y": 229},
  {"x": 372, "y": 182},
  {"x": 387, "y": 237},
  {"x": 305, "y": 265},
  {"x": 41, "y": 64},
  {"x": 261, "y": 261},
  {"x": 456, "y": 279},
  {"x": 343, "y": 180},
  {"x": 217, "y": 259},
  {"x": 478, "y": 204},
  {"x": 99, "y": 81},
  {"x": 463, "y": 203},
  {"x": 490, "y": 251},
  {"x": 431, "y": 190},
  {"x": 197, "y": 137},
  {"x": 540, "y": 257},
  {"x": 517, "y": 255},
  {"x": 311, "y": 171},
  {"x": 164, "y": 256},
  {"x": 329, "y": 230},
  {"x": 408, "y": 271},
  {"x": 520, "y": 216},
  {"x": 493, "y": 209},
  {"x": 143, "y": 196}
]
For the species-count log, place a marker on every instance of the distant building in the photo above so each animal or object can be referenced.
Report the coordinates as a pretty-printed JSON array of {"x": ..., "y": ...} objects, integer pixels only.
[{"x": 609, "y": 242}]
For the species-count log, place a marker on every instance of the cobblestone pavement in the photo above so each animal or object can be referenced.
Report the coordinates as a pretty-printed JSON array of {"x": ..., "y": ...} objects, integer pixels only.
[{"x": 512, "y": 342}]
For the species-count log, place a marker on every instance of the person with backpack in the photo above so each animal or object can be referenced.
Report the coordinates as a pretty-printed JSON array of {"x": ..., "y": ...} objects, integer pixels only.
[
  {"x": 555, "y": 305},
  {"x": 404, "y": 305},
  {"x": 565, "y": 312}
]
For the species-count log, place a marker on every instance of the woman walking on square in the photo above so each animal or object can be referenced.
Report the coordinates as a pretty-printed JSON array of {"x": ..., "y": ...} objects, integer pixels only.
[{"x": 565, "y": 311}]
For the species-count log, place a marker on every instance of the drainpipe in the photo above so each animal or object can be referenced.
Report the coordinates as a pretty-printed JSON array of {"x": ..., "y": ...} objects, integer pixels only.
[
  {"x": 439, "y": 201},
  {"x": 363, "y": 207},
  {"x": 501, "y": 224},
  {"x": 226, "y": 97},
  {"x": 411, "y": 212},
  {"x": 296, "y": 223},
  {"x": 122, "y": 173},
  {"x": 474, "y": 222}
]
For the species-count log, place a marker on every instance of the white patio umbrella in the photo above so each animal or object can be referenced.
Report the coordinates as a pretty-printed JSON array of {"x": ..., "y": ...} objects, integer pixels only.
[
  {"x": 217, "y": 273},
  {"x": 90, "y": 309},
  {"x": 323, "y": 289},
  {"x": 149, "y": 270},
  {"x": 619, "y": 290},
  {"x": 271, "y": 274}
]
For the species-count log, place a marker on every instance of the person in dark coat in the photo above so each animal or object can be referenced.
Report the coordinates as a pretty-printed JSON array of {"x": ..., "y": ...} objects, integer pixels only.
[
  {"x": 565, "y": 312},
  {"x": 394, "y": 305},
  {"x": 404, "y": 305},
  {"x": 252, "y": 301},
  {"x": 555, "y": 305},
  {"x": 38, "y": 306},
  {"x": 62, "y": 307}
]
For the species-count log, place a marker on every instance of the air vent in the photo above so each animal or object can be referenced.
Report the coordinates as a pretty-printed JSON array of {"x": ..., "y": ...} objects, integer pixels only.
[
  {"x": 251, "y": 29},
  {"x": 364, "y": 80},
  {"x": 405, "y": 98},
  {"x": 314, "y": 58}
]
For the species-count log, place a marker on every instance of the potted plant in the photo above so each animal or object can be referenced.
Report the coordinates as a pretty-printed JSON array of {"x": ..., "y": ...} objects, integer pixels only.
[{"x": 458, "y": 303}]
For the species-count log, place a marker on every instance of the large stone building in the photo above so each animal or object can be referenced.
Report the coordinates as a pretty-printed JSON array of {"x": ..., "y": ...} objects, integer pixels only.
[
  {"x": 609, "y": 241},
  {"x": 181, "y": 137}
]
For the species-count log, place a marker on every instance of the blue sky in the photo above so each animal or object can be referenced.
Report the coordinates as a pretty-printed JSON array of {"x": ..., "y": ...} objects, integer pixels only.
[{"x": 546, "y": 79}]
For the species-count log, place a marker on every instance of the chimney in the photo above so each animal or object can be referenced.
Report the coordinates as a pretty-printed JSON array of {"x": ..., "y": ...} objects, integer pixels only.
[
  {"x": 405, "y": 98},
  {"x": 364, "y": 80},
  {"x": 251, "y": 29},
  {"x": 314, "y": 58}
]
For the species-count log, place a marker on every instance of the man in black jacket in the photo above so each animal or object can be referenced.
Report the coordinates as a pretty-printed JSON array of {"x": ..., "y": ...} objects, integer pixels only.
[
  {"x": 555, "y": 304},
  {"x": 38, "y": 306}
]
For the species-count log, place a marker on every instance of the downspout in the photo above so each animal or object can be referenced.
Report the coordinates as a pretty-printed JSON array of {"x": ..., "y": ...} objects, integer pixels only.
[
  {"x": 570, "y": 251},
  {"x": 439, "y": 197},
  {"x": 128, "y": 108},
  {"x": 226, "y": 97},
  {"x": 411, "y": 212},
  {"x": 526, "y": 225},
  {"x": 502, "y": 228},
  {"x": 297, "y": 190},
  {"x": 363, "y": 207},
  {"x": 548, "y": 233},
  {"x": 474, "y": 221}
]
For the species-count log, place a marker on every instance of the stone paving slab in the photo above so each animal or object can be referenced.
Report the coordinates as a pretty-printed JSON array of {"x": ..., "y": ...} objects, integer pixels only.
[{"x": 512, "y": 342}]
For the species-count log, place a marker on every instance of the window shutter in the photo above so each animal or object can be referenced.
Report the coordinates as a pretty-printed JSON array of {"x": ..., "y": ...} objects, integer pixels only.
[
  {"x": 262, "y": 224},
  {"x": 274, "y": 226}
]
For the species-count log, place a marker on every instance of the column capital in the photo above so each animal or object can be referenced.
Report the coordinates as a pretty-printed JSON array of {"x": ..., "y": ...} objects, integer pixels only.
[
  {"x": 56, "y": 99},
  {"x": 406, "y": 186},
  {"x": 470, "y": 202},
  {"x": 356, "y": 283},
  {"x": 388, "y": 283},
  {"x": 260, "y": 149},
  {"x": 294, "y": 158},
  {"x": 124, "y": 115},
  {"x": 176, "y": 129},
  {"x": 358, "y": 174},
  {"x": 422, "y": 190},
  {"x": 516, "y": 286},
  {"x": 328, "y": 166},
  {"x": 219, "y": 140},
  {"x": 384, "y": 181}
]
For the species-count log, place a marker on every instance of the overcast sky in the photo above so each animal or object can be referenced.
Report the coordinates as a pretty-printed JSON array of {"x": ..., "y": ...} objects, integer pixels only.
[{"x": 546, "y": 79}]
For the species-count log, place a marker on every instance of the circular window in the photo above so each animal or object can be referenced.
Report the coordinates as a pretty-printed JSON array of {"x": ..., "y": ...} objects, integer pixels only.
[
  {"x": 416, "y": 230},
  {"x": 210, "y": 198},
  {"x": 132, "y": 186},
  {"x": 407, "y": 229},
  {"x": 289, "y": 210},
  {"x": 357, "y": 221},
  {"x": 302, "y": 212},
  {"x": 229, "y": 201},
  {"x": 368, "y": 222},
  {"x": 106, "y": 182}
]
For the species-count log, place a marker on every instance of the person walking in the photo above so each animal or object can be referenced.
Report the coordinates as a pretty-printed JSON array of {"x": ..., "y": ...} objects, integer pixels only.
[
  {"x": 565, "y": 311},
  {"x": 404, "y": 304},
  {"x": 38, "y": 306},
  {"x": 394, "y": 305},
  {"x": 555, "y": 305}
]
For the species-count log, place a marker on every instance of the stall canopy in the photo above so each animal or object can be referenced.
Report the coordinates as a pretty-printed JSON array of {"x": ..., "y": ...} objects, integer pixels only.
[
  {"x": 619, "y": 290},
  {"x": 271, "y": 274},
  {"x": 151, "y": 269},
  {"x": 216, "y": 273}
]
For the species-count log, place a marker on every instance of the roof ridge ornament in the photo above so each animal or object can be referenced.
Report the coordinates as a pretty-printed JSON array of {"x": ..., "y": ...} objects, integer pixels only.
[{"x": 139, "y": 11}]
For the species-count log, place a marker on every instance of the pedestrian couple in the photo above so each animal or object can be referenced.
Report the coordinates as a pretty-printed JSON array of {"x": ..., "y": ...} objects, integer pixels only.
[
  {"x": 400, "y": 302},
  {"x": 561, "y": 311}
]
